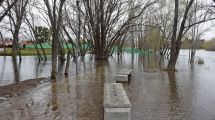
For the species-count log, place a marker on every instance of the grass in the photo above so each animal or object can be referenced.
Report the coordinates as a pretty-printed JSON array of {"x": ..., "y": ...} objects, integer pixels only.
[
  {"x": 26, "y": 52},
  {"x": 48, "y": 51}
]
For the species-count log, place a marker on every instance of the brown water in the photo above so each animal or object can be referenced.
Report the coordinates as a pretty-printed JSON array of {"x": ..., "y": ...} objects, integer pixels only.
[{"x": 155, "y": 95}]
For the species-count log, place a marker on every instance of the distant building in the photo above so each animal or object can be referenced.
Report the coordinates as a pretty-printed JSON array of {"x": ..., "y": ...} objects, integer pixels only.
[
  {"x": 26, "y": 42},
  {"x": 8, "y": 42}
]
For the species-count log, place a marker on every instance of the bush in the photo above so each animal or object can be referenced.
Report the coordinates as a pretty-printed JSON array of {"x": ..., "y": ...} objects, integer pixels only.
[{"x": 210, "y": 45}]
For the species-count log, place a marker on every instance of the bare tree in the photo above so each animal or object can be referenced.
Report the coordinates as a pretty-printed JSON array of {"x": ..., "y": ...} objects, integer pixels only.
[
  {"x": 6, "y": 8},
  {"x": 34, "y": 33},
  {"x": 180, "y": 28},
  {"x": 54, "y": 12},
  {"x": 108, "y": 21},
  {"x": 16, "y": 17},
  {"x": 163, "y": 22}
]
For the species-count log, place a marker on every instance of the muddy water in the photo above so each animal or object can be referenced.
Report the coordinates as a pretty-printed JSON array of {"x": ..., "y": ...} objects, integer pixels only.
[{"x": 155, "y": 95}]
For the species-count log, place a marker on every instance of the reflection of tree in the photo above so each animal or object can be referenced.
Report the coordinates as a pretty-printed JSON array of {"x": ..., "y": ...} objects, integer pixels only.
[
  {"x": 174, "y": 100},
  {"x": 3, "y": 68},
  {"x": 89, "y": 95},
  {"x": 54, "y": 95},
  {"x": 15, "y": 69},
  {"x": 76, "y": 66},
  {"x": 67, "y": 84},
  {"x": 151, "y": 63},
  {"x": 119, "y": 61},
  {"x": 97, "y": 88},
  {"x": 37, "y": 70},
  {"x": 60, "y": 70},
  {"x": 132, "y": 59},
  {"x": 84, "y": 65}
]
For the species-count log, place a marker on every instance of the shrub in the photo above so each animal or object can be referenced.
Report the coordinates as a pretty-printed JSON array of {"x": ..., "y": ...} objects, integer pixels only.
[{"x": 210, "y": 45}]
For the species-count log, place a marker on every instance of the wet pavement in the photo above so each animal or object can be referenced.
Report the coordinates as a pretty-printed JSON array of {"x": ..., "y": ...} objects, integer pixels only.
[{"x": 188, "y": 94}]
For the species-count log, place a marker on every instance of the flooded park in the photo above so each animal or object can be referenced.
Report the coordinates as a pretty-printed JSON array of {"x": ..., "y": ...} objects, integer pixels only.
[{"x": 154, "y": 93}]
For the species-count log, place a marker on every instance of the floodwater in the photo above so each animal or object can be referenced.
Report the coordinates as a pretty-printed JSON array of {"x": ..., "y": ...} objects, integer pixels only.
[{"x": 188, "y": 94}]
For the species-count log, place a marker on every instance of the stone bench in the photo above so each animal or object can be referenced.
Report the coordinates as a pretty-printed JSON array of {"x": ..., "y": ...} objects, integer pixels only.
[
  {"x": 121, "y": 78},
  {"x": 125, "y": 72},
  {"x": 116, "y": 103},
  {"x": 123, "y": 75}
]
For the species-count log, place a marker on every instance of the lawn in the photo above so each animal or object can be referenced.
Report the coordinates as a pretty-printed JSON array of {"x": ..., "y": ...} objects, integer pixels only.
[{"x": 26, "y": 52}]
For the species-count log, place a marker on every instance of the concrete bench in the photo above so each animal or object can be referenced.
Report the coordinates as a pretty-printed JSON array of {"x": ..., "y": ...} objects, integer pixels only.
[
  {"x": 116, "y": 103},
  {"x": 125, "y": 72},
  {"x": 121, "y": 78},
  {"x": 123, "y": 75}
]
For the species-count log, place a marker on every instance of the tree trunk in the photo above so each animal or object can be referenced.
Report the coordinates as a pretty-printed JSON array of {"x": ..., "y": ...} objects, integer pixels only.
[
  {"x": 176, "y": 41},
  {"x": 43, "y": 51},
  {"x": 3, "y": 42},
  {"x": 173, "y": 50},
  {"x": 14, "y": 50},
  {"x": 16, "y": 45},
  {"x": 173, "y": 58},
  {"x": 38, "y": 52},
  {"x": 54, "y": 55}
]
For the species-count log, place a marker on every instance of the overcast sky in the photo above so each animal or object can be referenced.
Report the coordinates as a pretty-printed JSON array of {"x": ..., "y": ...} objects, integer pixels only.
[{"x": 210, "y": 33}]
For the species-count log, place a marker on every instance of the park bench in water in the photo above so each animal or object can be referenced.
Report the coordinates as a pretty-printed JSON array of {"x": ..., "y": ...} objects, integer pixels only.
[
  {"x": 123, "y": 75},
  {"x": 116, "y": 103}
]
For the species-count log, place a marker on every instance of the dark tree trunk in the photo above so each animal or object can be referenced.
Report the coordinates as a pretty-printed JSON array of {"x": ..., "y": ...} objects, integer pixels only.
[
  {"x": 176, "y": 40},
  {"x": 3, "y": 42},
  {"x": 54, "y": 55},
  {"x": 38, "y": 52},
  {"x": 43, "y": 51},
  {"x": 173, "y": 51},
  {"x": 15, "y": 46}
]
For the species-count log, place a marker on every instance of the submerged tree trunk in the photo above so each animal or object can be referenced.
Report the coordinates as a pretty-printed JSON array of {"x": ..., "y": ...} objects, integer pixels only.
[
  {"x": 43, "y": 51},
  {"x": 54, "y": 9},
  {"x": 38, "y": 52},
  {"x": 54, "y": 56},
  {"x": 16, "y": 44},
  {"x": 67, "y": 64},
  {"x": 173, "y": 50},
  {"x": 177, "y": 38}
]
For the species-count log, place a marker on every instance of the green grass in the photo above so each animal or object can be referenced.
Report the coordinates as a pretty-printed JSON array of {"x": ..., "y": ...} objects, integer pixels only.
[{"x": 26, "y": 52}]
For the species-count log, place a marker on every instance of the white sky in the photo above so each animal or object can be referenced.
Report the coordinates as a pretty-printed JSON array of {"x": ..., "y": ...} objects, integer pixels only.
[{"x": 210, "y": 33}]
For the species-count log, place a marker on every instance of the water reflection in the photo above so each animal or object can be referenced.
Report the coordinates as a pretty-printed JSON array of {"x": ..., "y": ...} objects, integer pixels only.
[
  {"x": 185, "y": 94},
  {"x": 3, "y": 68},
  {"x": 54, "y": 96},
  {"x": 89, "y": 93},
  {"x": 16, "y": 69},
  {"x": 174, "y": 100}
]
